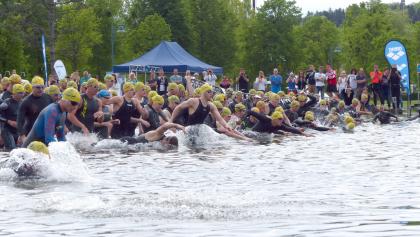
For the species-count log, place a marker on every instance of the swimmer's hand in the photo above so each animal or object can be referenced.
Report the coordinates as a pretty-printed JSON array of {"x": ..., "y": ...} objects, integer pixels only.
[
  {"x": 98, "y": 114},
  {"x": 115, "y": 121},
  {"x": 178, "y": 126},
  {"x": 85, "y": 130}
]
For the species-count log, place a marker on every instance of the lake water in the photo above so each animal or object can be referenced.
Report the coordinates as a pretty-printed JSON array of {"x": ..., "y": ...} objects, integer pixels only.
[{"x": 333, "y": 184}]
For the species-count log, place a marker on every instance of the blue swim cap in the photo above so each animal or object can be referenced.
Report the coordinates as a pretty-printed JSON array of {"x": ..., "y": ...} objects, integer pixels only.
[{"x": 103, "y": 94}]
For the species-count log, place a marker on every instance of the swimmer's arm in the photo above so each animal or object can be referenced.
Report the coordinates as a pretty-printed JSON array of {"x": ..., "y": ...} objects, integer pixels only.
[
  {"x": 286, "y": 119},
  {"x": 260, "y": 117},
  {"x": 99, "y": 115},
  {"x": 375, "y": 118},
  {"x": 61, "y": 132},
  {"x": 158, "y": 133},
  {"x": 73, "y": 119},
  {"x": 140, "y": 108},
  {"x": 180, "y": 107},
  {"x": 215, "y": 113}
]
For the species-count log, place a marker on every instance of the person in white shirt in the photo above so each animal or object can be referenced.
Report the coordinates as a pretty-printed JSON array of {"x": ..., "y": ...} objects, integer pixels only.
[
  {"x": 342, "y": 82},
  {"x": 351, "y": 79},
  {"x": 210, "y": 78},
  {"x": 320, "y": 81},
  {"x": 260, "y": 82}
]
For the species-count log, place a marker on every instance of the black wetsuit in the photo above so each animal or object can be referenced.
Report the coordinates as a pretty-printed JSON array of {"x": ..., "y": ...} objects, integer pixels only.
[
  {"x": 307, "y": 106},
  {"x": 271, "y": 108},
  {"x": 85, "y": 113},
  {"x": 6, "y": 95},
  {"x": 264, "y": 125},
  {"x": 9, "y": 108},
  {"x": 291, "y": 115},
  {"x": 199, "y": 114},
  {"x": 135, "y": 140},
  {"x": 153, "y": 119},
  {"x": 307, "y": 124},
  {"x": 384, "y": 117},
  {"x": 182, "y": 117},
  {"x": 29, "y": 110},
  {"x": 124, "y": 114},
  {"x": 103, "y": 131},
  {"x": 209, "y": 121}
]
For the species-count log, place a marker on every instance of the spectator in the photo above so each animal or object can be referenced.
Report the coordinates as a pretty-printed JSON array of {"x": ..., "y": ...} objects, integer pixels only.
[
  {"x": 291, "y": 83},
  {"x": 385, "y": 87},
  {"x": 301, "y": 81},
  {"x": 320, "y": 81},
  {"x": 175, "y": 77},
  {"x": 276, "y": 79},
  {"x": 162, "y": 83},
  {"x": 331, "y": 81},
  {"x": 342, "y": 83},
  {"x": 243, "y": 81},
  {"x": 210, "y": 78},
  {"x": 152, "y": 81},
  {"x": 260, "y": 82},
  {"x": 361, "y": 83},
  {"x": 225, "y": 83},
  {"x": 351, "y": 79},
  {"x": 395, "y": 79},
  {"x": 376, "y": 77},
  {"x": 310, "y": 79}
]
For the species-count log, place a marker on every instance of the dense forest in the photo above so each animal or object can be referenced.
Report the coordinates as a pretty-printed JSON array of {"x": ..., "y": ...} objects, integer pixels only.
[{"x": 94, "y": 34}]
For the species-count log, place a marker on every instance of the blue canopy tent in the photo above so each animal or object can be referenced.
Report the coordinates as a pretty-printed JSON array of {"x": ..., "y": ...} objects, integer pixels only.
[{"x": 168, "y": 55}]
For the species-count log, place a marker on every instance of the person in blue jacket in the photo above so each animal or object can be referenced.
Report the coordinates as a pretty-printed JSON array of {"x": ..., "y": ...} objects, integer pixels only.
[{"x": 49, "y": 126}]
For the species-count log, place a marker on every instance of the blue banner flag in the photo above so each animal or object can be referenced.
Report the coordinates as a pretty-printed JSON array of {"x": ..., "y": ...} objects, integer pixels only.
[
  {"x": 418, "y": 68},
  {"x": 44, "y": 55},
  {"x": 396, "y": 53}
]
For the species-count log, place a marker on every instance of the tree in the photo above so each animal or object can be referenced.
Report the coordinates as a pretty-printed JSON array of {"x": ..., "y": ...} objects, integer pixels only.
[
  {"x": 175, "y": 13},
  {"x": 77, "y": 35},
  {"x": 316, "y": 40},
  {"x": 151, "y": 31},
  {"x": 269, "y": 39}
]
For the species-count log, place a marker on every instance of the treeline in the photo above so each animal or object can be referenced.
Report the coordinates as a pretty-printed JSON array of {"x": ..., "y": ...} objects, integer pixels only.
[{"x": 227, "y": 33}]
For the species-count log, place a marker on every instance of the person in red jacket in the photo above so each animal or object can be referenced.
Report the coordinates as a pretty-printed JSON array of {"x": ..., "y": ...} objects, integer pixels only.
[
  {"x": 331, "y": 81},
  {"x": 376, "y": 77}
]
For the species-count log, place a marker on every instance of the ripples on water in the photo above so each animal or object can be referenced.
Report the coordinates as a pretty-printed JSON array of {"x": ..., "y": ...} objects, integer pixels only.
[{"x": 333, "y": 184}]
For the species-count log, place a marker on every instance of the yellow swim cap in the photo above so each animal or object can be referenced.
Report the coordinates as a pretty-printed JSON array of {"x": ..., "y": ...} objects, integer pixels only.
[
  {"x": 364, "y": 97},
  {"x": 350, "y": 126},
  {"x": 302, "y": 98},
  {"x": 309, "y": 115},
  {"x": 101, "y": 86},
  {"x": 172, "y": 86},
  {"x": 295, "y": 105},
  {"x": 173, "y": 99},
  {"x": 113, "y": 92},
  {"x": 240, "y": 107},
  {"x": 226, "y": 112},
  {"x": 158, "y": 100},
  {"x": 1, "y": 87},
  {"x": 72, "y": 84},
  {"x": 279, "y": 109},
  {"x": 274, "y": 97},
  {"x": 197, "y": 91},
  {"x": 349, "y": 119},
  {"x": 341, "y": 104},
  {"x": 255, "y": 109},
  {"x": 53, "y": 90},
  {"x": 109, "y": 78},
  {"x": 71, "y": 94},
  {"x": 38, "y": 147},
  {"x": 151, "y": 95},
  {"x": 252, "y": 92},
  {"x": 128, "y": 86},
  {"x": 15, "y": 79},
  {"x": 322, "y": 102},
  {"x": 219, "y": 97},
  {"x": 18, "y": 88},
  {"x": 281, "y": 94},
  {"x": 277, "y": 115},
  {"x": 5, "y": 80},
  {"x": 93, "y": 82},
  {"x": 218, "y": 104},
  {"x": 260, "y": 104},
  {"x": 181, "y": 87},
  {"x": 37, "y": 81},
  {"x": 260, "y": 93},
  {"x": 28, "y": 88},
  {"x": 206, "y": 87},
  {"x": 147, "y": 89},
  {"x": 139, "y": 86},
  {"x": 355, "y": 101}
]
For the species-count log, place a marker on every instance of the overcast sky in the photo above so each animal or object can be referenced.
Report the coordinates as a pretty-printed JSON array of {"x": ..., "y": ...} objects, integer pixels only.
[{"x": 319, "y": 5}]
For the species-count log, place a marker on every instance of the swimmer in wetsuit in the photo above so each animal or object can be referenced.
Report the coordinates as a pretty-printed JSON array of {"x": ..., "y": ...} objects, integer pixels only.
[
  {"x": 156, "y": 135},
  {"x": 384, "y": 116},
  {"x": 199, "y": 108}
]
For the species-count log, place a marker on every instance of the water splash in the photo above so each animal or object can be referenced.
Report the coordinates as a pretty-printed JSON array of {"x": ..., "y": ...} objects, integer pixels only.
[{"x": 65, "y": 164}]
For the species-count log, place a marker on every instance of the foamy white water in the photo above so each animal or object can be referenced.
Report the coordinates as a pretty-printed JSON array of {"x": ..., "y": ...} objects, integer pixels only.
[{"x": 333, "y": 184}]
